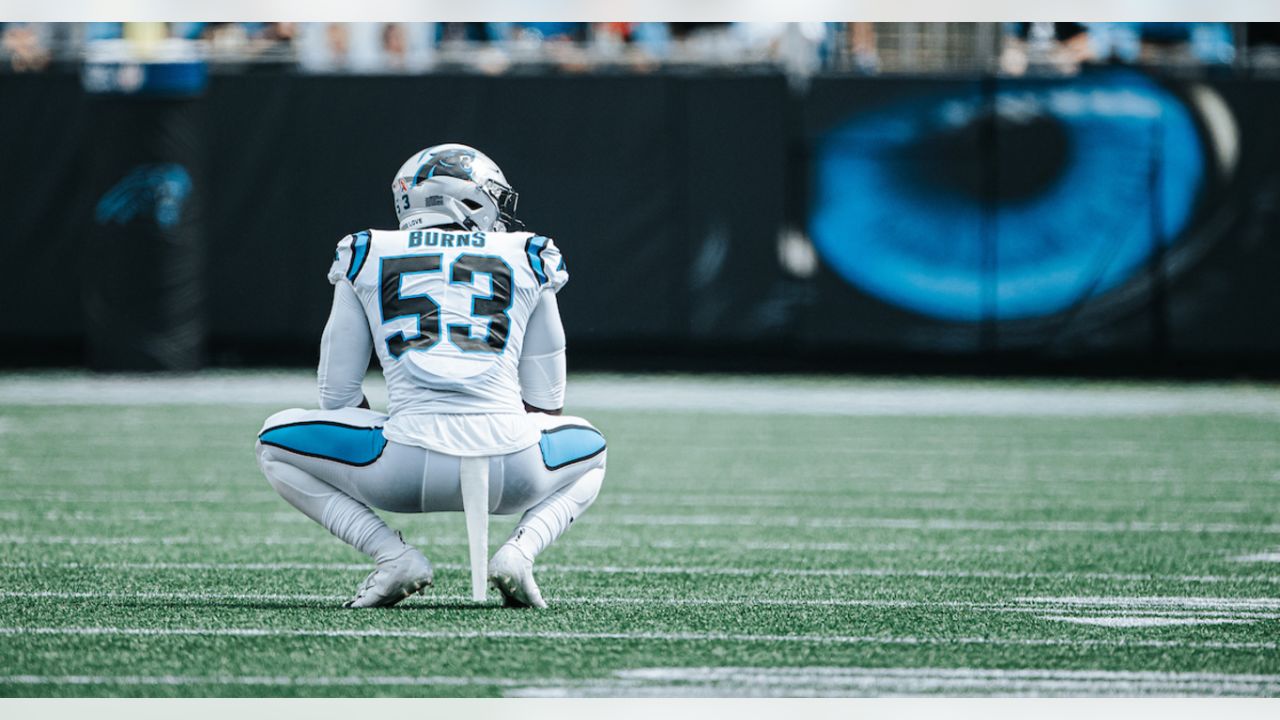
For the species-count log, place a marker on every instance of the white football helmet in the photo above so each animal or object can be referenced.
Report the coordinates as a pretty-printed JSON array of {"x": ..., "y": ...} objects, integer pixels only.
[{"x": 454, "y": 184}]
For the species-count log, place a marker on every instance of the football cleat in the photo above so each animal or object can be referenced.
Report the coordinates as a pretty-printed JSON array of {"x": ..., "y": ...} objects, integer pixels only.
[
  {"x": 511, "y": 572},
  {"x": 394, "y": 580}
]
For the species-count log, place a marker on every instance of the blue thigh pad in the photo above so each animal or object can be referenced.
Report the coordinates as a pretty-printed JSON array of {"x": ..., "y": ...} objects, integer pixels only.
[
  {"x": 569, "y": 444},
  {"x": 328, "y": 440}
]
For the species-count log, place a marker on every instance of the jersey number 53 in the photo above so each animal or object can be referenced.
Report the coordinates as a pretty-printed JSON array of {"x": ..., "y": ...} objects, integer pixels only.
[{"x": 426, "y": 310}]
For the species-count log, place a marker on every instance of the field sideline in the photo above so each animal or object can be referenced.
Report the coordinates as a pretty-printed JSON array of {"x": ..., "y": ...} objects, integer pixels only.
[{"x": 790, "y": 537}]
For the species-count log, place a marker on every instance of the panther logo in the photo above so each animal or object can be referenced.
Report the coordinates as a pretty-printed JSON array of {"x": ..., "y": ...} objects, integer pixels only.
[
  {"x": 161, "y": 189},
  {"x": 448, "y": 163}
]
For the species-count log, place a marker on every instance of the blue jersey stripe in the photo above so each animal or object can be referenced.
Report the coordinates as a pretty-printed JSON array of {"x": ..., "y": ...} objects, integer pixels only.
[
  {"x": 533, "y": 250},
  {"x": 359, "y": 253}
]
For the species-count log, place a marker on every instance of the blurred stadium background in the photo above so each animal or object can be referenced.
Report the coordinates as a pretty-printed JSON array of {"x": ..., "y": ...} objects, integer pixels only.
[
  {"x": 767, "y": 199},
  {"x": 1045, "y": 197}
]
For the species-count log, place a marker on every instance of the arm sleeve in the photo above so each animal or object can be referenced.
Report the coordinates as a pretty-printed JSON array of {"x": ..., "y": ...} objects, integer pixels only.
[
  {"x": 542, "y": 359},
  {"x": 344, "y": 351}
]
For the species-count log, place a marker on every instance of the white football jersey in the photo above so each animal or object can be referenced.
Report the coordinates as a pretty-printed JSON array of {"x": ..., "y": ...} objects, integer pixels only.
[{"x": 447, "y": 311}]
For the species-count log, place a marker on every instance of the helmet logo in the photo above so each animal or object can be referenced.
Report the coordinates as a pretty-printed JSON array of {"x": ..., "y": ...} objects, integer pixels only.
[{"x": 448, "y": 163}]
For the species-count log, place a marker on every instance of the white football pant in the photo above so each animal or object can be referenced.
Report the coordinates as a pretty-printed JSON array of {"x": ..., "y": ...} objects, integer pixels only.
[{"x": 334, "y": 464}]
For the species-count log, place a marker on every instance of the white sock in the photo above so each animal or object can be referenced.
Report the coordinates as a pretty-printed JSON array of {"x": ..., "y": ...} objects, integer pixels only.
[
  {"x": 546, "y": 521},
  {"x": 349, "y": 519}
]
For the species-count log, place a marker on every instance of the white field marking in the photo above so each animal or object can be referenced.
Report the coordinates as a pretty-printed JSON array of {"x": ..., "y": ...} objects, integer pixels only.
[
  {"x": 739, "y": 520},
  {"x": 959, "y": 500},
  {"x": 1128, "y": 621},
  {"x": 1178, "y": 602},
  {"x": 649, "y": 636},
  {"x": 938, "y": 498},
  {"x": 1082, "y": 526},
  {"x": 1267, "y": 557},
  {"x": 736, "y": 680},
  {"x": 976, "y": 459},
  {"x": 666, "y": 393},
  {"x": 676, "y": 570},
  {"x": 767, "y": 500},
  {"x": 130, "y": 497},
  {"x": 759, "y": 546},
  {"x": 832, "y": 681},
  {"x": 270, "y": 681},
  {"x": 953, "y": 497},
  {"x": 604, "y": 601}
]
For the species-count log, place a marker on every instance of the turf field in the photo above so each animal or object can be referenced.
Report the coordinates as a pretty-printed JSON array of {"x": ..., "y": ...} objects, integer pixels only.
[{"x": 793, "y": 537}]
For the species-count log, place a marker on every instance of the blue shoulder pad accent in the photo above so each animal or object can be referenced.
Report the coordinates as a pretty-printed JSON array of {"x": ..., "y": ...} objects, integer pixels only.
[
  {"x": 346, "y": 444},
  {"x": 359, "y": 253},
  {"x": 569, "y": 444},
  {"x": 533, "y": 251}
]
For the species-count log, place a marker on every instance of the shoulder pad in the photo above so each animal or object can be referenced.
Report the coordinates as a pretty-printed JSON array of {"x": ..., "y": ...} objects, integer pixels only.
[
  {"x": 350, "y": 256},
  {"x": 546, "y": 262}
]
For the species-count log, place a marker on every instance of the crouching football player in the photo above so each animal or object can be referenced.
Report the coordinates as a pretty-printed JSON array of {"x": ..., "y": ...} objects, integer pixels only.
[{"x": 460, "y": 307}]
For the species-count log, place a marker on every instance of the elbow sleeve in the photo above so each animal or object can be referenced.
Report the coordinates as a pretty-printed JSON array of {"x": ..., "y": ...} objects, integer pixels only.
[
  {"x": 543, "y": 364},
  {"x": 344, "y": 351},
  {"x": 542, "y": 380}
]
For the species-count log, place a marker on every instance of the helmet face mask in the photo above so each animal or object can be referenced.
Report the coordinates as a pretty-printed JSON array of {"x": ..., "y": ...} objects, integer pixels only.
[
  {"x": 454, "y": 184},
  {"x": 506, "y": 199}
]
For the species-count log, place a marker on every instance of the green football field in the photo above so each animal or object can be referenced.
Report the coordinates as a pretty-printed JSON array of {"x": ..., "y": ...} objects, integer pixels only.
[{"x": 795, "y": 537}]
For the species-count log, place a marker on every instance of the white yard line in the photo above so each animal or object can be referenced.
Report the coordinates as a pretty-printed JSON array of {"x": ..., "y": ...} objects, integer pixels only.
[
  {"x": 641, "y": 636},
  {"x": 686, "y": 394},
  {"x": 1263, "y": 557},
  {"x": 675, "y": 570},
  {"x": 819, "y": 681},
  {"x": 1179, "y": 602},
  {"x": 769, "y": 500},
  {"x": 736, "y": 680},
  {"x": 743, "y": 680},
  {"x": 269, "y": 681},
  {"x": 602, "y": 543},
  {"x": 995, "y": 498},
  {"x": 1229, "y": 608},
  {"x": 883, "y": 523},
  {"x": 1132, "y": 621},
  {"x": 732, "y": 520}
]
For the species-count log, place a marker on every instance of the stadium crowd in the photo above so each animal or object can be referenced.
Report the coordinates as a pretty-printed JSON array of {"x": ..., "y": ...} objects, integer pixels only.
[{"x": 800, "y": 48}]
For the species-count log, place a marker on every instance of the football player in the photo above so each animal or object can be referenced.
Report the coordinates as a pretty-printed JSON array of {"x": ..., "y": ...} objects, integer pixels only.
[{"x": 459, "y": 305}]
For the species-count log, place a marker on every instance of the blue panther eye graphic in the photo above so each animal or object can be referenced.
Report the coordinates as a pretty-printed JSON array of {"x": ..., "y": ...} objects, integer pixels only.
[{"x": 1088, "y": 172}]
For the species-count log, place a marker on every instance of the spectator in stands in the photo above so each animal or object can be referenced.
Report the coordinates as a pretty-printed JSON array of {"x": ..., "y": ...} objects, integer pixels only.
[
  {"x": 1045, "y": 47},
  {"x": 27, "y": 46},
  {"x": 339, "y": 47},
  {"x": 796, "y": 47},
  {"x": 861, "y": 40},
  {"x": 407, "y": 47},
  {"x": 641, "y": 45},
  {"x": 1163, "y": 43}
]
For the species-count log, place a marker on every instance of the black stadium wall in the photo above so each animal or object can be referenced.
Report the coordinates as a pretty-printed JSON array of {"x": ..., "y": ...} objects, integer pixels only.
[{"x": 1112, "y": 222}]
